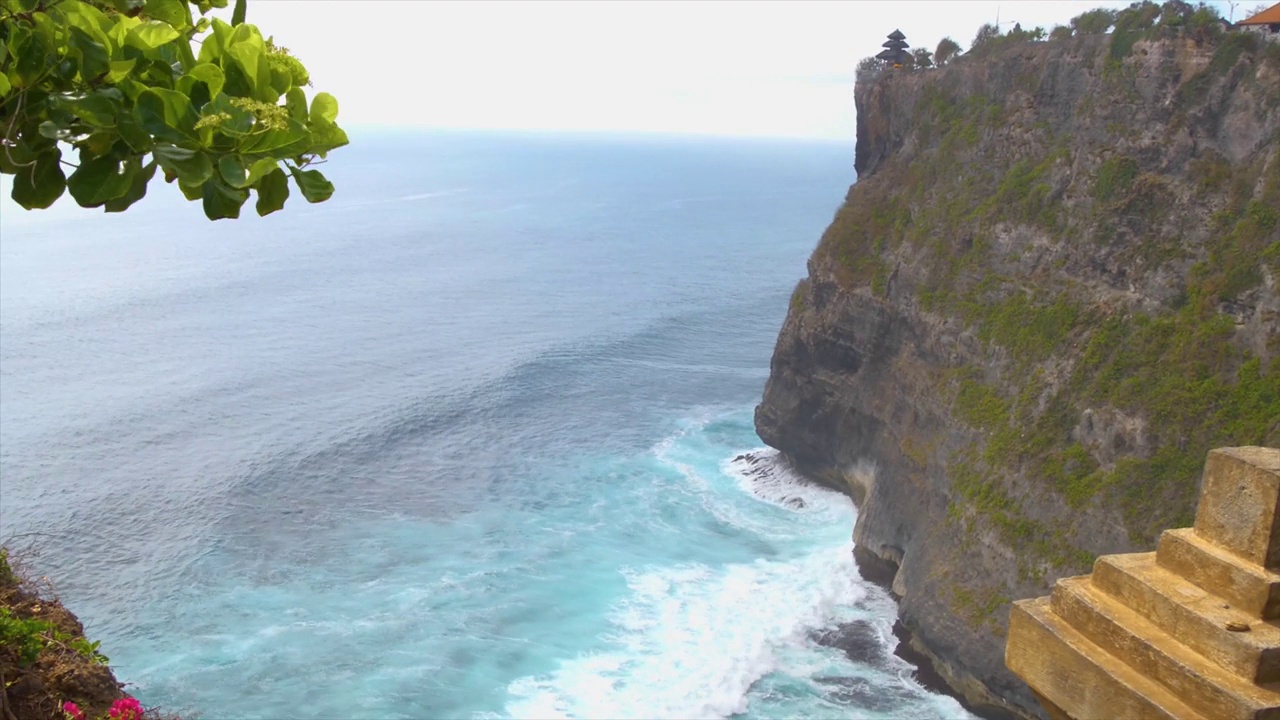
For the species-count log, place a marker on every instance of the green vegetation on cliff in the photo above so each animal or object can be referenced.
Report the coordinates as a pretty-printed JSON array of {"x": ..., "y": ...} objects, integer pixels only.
[
  {"x": 990, "y": 181},
  {"x": 1052, "y": 290},
  {"x": 45, "y": 659}
]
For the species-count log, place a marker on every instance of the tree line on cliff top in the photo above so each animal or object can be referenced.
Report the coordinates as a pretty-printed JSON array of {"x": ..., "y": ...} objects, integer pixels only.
[
  {"x": 1141, "y": 19},
  {"x": 136, "y": 86}
]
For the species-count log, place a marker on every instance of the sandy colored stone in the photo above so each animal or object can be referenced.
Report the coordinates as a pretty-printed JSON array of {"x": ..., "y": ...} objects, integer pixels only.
[
  {"x": 1240, "y": 503},
  {"x": 1173, "y": 634}
]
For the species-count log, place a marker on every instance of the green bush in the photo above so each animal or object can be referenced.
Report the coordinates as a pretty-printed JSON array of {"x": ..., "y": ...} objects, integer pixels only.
[
  {"x": 24, "y": 637},
  {"x": 1114, "y": 178},
  {"x": 1093, "y": 22}
]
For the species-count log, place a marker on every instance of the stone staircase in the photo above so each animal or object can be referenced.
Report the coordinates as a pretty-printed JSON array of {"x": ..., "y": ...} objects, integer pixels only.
[{"x": 1189, "y": 631}]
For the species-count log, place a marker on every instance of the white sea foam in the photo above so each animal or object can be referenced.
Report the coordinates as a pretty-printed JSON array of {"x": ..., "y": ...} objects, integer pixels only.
[
  {"x": 762, "y": 473},
  {"x": 690, "y": 641},
  {"x": 693, "y": 640}
]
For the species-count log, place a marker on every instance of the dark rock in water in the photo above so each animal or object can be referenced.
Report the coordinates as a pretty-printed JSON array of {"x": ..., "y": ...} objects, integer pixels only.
[
  {"x": 858, "y": 640},
  {"x": 862, "y": 695}
]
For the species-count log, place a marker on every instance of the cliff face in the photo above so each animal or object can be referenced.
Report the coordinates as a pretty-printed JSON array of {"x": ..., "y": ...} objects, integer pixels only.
[{"x": 1052, "y": 290}]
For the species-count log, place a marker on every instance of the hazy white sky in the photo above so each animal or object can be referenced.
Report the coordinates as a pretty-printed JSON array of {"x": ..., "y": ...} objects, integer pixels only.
[{"x": 718, "y": 67}]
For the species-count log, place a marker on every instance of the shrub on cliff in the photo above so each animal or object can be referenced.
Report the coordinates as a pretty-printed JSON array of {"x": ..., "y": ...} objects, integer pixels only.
[
  {"x": 120, "y": 82},
  {"x": 869, "y": 69},
  {"x": 946, "y": 51},
  {"x": 1093, "y": 22},
  {"x": 46, "y": 662},
  {"x": 982, "y": 41}
]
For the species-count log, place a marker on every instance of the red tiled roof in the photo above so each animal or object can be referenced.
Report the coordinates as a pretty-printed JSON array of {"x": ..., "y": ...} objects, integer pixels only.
[{"x": 1267, "y": 17}]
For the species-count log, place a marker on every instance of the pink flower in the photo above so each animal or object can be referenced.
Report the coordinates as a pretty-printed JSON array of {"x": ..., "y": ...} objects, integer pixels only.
[
  {"x": 126, "y": 708},
  {"x": 72, "y": 711}
]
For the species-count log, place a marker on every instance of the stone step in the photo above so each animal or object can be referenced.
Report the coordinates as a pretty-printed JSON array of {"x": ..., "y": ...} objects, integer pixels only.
[
  {"x": 1244, "y": 585},
  {"x": 1198, "y": 619},
  {"x": 1078, "y": 677},
  {"x": 1127, "y": 635},
  {"x": 1240, "y": 503}
]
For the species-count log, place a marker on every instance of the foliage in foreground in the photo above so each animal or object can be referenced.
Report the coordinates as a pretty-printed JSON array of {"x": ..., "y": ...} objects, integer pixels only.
[{"x": 139, "y": 85}]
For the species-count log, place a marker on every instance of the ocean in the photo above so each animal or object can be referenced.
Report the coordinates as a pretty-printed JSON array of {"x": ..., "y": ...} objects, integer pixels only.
[{"x": 473, "y": 439}]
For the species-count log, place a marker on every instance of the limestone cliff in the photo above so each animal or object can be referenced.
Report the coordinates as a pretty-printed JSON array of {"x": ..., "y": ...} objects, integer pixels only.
[{"x": 1051, "y": 291}]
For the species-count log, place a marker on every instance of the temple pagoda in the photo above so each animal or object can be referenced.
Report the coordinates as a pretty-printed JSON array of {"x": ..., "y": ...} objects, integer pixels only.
[{"x": 895, "y": 50}]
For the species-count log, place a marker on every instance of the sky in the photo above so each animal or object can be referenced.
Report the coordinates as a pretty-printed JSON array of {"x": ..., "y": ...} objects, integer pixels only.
[{"x": 722, "y": 67}]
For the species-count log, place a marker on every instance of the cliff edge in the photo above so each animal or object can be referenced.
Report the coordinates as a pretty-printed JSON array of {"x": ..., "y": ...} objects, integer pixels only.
[{"x": 1052, "y": 290}]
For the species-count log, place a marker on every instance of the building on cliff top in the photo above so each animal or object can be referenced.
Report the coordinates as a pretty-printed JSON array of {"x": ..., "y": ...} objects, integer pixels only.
[
  {"x": 1266, "y": 22},
  {"x": 895, "y": 53},
  {"x": 1188, "y": 632}
]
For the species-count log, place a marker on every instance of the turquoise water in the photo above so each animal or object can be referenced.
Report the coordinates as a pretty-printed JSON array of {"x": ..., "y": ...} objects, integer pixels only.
[{"x": 472, "y": 440}]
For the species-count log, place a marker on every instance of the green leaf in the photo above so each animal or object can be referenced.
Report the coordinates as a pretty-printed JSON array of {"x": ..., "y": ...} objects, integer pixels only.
[
  {"x": 326, "y": 137},
  {"x": 278, "y": 142},
  {"x": 199, "y": 95},
  {"x": 296, "y": 102},
  {"x": 151, "y": 35},
  {"x": 52, "y": 130},
  {"x": 120, "y": 69},
  {"x": 240, "y": 122},
  {"x": 5, "y": 87},
  {"x": 272, "y": 193},
  {"x": 206, "y": 5},
  {"x": 237, "y": 14},
  {"x": 95, "y": 61},
  {"x": 37, "y": 186},
  {"x": 98, "y": 180},
  {"x": 117, "y": 32},
  {"x": 88, "y": 18},
  {"x": 31, "y": 55},
  {"x": 260, "y": 169},
  {"x": 233, "y": 170},
  {"x": 132, "y": 133},
  {"x": 211, "y": 75},
  {"x": 324, "y": 108},
  {"x": 192, "y": 167},
  {"x": 100, "y": 143},
  {"x": 257, "y": 71},
  {"x": 27, "y": 149},
  {"x": 215, "y": 43},
  {"x": 166, "y": 114},
  {"x": 281, "y": 79},
  {"x": 221, "y": 200},
  {"x": 315, "y": 188},
  {"x": 192, "y": 192},
  {"x": 175, "y": 12},
  {"x": 137, "y": 187},
  {"x": 97, "y": 109}
]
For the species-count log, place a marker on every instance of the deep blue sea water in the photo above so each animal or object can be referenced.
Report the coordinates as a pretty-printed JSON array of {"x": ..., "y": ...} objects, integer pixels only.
[{"x": 459, "y": 442}]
